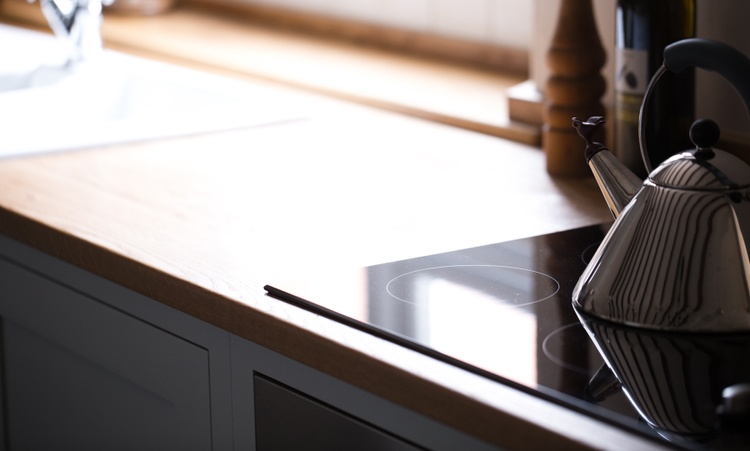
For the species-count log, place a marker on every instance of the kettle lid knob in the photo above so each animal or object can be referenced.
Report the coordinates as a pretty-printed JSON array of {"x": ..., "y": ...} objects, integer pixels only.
[
  {"x": 703, "y": 168},
  {"x": 704, "y": 133}
]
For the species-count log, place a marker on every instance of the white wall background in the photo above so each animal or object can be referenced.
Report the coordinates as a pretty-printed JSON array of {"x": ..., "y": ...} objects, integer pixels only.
[
  {"x": 727, "y": 21},
  {"x": 506, "y": 22},
  {"x": 529, "y": 24}
]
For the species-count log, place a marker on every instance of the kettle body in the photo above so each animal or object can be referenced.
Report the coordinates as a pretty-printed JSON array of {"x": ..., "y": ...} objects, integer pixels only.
[
  {"x": 673, "y": 260},
  {"x": 677, "y": 257}
]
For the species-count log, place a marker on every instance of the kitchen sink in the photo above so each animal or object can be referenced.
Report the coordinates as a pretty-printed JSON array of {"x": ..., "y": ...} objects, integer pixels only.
[{"x": 46, "y": 106}]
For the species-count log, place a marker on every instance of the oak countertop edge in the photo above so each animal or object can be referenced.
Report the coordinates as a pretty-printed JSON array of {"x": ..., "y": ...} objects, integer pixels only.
[
  {"x": 479, "y": 407},
  {"x": 533, "y": 421}
]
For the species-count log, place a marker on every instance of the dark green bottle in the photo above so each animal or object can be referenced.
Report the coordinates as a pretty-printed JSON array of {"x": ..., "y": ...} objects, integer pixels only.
[{"x": 643, "y": 29}]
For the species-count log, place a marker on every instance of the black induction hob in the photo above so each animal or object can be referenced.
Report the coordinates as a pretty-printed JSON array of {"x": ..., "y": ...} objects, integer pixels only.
[{"x": 502, "y": 311}]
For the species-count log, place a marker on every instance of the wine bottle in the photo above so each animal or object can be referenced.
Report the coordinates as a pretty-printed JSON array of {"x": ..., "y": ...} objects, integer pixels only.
[{"x": 643, "y": 29}]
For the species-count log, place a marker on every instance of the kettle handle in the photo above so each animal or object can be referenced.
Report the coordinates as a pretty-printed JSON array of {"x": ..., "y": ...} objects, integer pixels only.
[
  {"x": 713, "y": 56},
  {"x": 699, "y": 53}
]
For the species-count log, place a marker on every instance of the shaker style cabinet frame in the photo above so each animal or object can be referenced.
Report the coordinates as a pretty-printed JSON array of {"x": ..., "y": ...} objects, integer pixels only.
[
  {"x": 88, "y": 364},
  {"x": 279, "y": 401}
]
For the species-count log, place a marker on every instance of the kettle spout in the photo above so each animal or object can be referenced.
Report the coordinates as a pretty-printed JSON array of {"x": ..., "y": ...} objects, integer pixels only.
[{"x": 618, "y": 183}]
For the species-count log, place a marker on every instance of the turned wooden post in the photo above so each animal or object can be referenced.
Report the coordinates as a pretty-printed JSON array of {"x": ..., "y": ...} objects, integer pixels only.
[{"x": 574, "y": 88}]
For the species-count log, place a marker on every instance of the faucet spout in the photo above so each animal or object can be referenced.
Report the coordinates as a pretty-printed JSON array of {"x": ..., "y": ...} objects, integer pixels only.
[{"x": 78, "y": 24}]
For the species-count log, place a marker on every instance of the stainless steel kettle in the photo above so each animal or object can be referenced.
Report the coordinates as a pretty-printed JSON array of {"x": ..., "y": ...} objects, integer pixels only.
[{"x": 677, "y": 257}]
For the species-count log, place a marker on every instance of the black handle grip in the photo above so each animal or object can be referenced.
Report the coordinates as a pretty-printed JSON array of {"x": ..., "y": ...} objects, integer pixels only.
[{"x": 712, "y": 56}]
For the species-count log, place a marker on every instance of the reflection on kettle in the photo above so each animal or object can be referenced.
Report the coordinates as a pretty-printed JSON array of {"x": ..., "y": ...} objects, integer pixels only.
[{"x": 674, "y": 380}]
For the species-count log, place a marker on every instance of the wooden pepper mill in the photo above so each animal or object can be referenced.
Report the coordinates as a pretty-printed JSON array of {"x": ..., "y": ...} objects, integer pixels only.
[{"x": 574, "y": 88}]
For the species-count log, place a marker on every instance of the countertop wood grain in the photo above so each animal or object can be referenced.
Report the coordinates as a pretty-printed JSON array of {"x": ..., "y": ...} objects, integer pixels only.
[{"x": 201, "y": 223}]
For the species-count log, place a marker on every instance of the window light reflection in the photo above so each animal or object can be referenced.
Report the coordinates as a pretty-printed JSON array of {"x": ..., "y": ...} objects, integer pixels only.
[{"x": 480, "y": 333}]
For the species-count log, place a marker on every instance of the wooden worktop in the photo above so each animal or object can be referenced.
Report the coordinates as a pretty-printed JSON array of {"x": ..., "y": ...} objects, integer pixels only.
[{"x": 202, "y": 223}]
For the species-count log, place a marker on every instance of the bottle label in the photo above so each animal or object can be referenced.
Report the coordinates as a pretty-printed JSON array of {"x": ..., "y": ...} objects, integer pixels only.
[
  {"x": 631, "y": 80},
  {"x": 631, "y": 71}
]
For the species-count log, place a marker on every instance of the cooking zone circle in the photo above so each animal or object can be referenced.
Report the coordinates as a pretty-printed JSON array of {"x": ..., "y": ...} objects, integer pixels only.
[
  {"x": 555, "y": 346},
  {"x": 589, "y": 252},
  {"x": 507, "y": 285}
]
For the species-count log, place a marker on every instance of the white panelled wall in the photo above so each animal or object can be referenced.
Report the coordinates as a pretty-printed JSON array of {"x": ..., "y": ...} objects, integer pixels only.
[
  {"x": 529, "y": 24},
  {"x": 505, "y": 22}
]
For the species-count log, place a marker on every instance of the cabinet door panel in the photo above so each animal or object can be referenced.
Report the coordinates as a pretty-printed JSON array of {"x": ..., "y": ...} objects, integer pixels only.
[
  {"x": 79, "y": 374},
  {"x": 287, "y": 419}
]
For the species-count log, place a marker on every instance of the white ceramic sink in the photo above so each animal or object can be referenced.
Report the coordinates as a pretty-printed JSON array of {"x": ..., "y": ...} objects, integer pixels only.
[{"x": 115, "y": 99}]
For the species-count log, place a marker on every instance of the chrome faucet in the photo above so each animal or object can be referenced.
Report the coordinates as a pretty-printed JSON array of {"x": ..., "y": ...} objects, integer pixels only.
[{"x": 78, "y": 24}]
